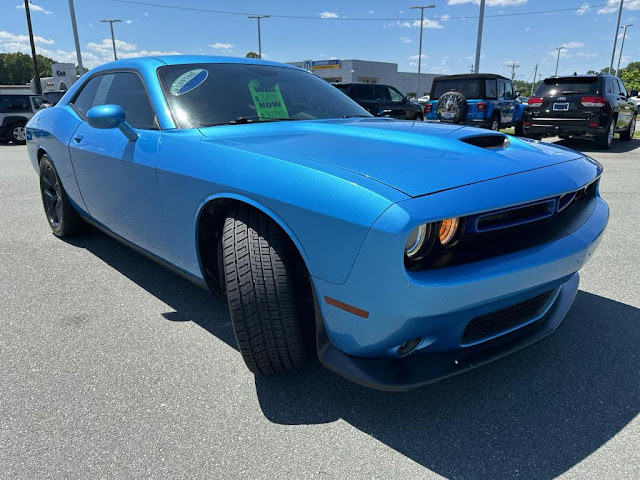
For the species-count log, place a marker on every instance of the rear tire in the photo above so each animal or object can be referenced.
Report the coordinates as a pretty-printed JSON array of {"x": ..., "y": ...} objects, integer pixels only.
[
  {"x": 604, "y": 140},
  {"x": 495, "y": 123},
  {"x": 62, "y": 217},
  {"x": 627, "y": 135},
  {"x": 519, "y": 129},
  {"x": 258, "y": 269}
]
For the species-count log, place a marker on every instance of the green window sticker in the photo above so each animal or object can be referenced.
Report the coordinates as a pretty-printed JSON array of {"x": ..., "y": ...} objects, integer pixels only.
[{"x": 267, "y": 100}]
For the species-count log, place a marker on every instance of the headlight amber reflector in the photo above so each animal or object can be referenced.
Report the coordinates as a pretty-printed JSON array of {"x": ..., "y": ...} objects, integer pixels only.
[{"x": 448, "y": 231}]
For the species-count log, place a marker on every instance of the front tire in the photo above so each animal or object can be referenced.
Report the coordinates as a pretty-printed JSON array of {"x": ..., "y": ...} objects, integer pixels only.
[
  {"x": 62, "y": 217},
  {"x": 258, "y": 269}
]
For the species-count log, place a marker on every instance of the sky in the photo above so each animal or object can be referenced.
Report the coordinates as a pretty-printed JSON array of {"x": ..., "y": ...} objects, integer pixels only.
[{"x": 377, "y": 30}]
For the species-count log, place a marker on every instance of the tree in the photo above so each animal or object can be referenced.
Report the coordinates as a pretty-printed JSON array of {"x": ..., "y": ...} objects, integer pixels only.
[
  {"x": 630, "y": 76},
  {"x": 252, "y": 55},
  {"x": 17, "y": 68}
]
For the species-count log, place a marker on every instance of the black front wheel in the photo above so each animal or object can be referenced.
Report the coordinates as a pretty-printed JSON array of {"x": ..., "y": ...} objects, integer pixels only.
[{"x": 63, "y": 219}]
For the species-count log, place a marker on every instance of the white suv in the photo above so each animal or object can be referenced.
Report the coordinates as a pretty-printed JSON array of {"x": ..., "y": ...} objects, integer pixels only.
[{"x": 15, "y": 110}]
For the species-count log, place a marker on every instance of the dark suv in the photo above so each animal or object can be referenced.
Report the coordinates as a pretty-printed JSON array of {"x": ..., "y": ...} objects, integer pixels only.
[
  {"x": 592, "y": 106},
  {"x": 382, "y": 100}
]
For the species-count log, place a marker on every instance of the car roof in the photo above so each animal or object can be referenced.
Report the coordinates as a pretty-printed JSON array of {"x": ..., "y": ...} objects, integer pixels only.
[
  {"x": 461, "y": 76},
  {"x": 360, "y": 83},
  {"x": 146, "y": 62}
]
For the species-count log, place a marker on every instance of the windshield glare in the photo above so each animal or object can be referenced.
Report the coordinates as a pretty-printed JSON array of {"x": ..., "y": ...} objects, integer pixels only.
[
  {"x": 220, "y": 94},
  {"x": 552, "y": 87}
]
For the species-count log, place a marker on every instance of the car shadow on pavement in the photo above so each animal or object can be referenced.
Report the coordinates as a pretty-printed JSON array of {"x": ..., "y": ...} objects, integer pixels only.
[
  {"x": 536, "y": 413},
  {"x": 587, "y": 146},
  {"x": 190, "y": 302}
]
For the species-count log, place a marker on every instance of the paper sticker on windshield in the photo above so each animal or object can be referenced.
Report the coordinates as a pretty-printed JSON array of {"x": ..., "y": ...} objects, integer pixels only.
[
  {"x": 268, "y": 100},
  {"x": 188, "y": 81}
]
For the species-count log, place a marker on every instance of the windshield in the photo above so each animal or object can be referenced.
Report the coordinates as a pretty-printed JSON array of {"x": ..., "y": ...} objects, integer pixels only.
[
  {"x": 470, "y": 88},
  {"x": 221, "y": 94},
  {"x": 552, "y": 87}
]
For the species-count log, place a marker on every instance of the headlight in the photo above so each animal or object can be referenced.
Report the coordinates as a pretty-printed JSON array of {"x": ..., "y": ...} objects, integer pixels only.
[
  {"x": 450, "y": 231},
  {"x": 420, "y": 241}
]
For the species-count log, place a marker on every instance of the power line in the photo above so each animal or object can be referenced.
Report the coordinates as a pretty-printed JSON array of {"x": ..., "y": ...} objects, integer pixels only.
[{"x": 363, "y": 19}]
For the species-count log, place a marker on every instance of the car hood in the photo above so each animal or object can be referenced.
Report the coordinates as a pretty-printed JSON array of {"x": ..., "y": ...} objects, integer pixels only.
[{"x": 416, "y": 158}]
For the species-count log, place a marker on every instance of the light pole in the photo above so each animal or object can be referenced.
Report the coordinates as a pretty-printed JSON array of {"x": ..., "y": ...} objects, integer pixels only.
[
  {"x": 72, "y": 11},
  {"x": 615, "y": 37},
  {"x": 421, "y": 8},
  {"x": 479, "y": 42},
  {"x": 259, "y": 17},
  {"x": 624, "y": 35},
  {"x": 36, "y": 74},
  {"x": 558, "y": 59},
  {"x": 113, "y": 39}
]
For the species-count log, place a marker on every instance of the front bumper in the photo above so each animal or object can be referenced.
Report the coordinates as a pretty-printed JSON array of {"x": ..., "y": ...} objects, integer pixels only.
[{"x": 435, "y": 306}]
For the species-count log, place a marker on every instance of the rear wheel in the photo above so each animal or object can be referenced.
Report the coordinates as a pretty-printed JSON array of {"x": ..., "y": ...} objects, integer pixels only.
[
  {"x": 604, "y": 140},
  {"x": 63, "y": 219},
  {"x": 17, "y": 133},
  {"x": 495, "y": 123},
  {"x": 628, "y": 134},
  {"x": 519, "y": 130},
  {"x": 258, "y": 272}
]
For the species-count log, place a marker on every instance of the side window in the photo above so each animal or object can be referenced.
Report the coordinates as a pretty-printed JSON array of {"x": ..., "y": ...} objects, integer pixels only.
[
  {"x": 381, "y": 93},
  {"x": 623, "y": 91},
  {"x": 14, "y": 104},
  {"x": 509, "y": 90},
  {"x": 491, "y": 88},
  {"x": 500, "y": 88},
  {"x": 363, "y": 92},
  {"x": 85, "y": 99},
  {"x": 127, "y": 90},
  {"x": 396, "y": 96},
  {"x": 123, "y": 89},
  {"x": 37, "y": 101}
]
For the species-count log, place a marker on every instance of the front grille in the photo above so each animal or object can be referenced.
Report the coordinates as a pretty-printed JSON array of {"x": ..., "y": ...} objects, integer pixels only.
[
  {"x": 492, "y": 324},
  {"x": 516, "y": 216}
]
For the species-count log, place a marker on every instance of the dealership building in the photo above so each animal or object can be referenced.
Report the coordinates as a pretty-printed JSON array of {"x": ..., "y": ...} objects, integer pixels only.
[{"x": 368, "y": 72}]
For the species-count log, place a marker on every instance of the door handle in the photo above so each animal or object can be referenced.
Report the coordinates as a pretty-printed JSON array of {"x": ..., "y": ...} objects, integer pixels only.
[{"x": 78, "y": 138}]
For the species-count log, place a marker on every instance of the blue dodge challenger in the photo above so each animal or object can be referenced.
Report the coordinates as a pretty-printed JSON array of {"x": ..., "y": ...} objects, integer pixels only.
[{"x": 397, "y": 252}]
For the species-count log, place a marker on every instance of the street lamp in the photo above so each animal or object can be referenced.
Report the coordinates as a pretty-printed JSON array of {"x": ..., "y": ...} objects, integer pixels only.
[
  {"x": 113, "y": 39},
  {"x": 624, "y": 35},
  {"x": 259, "y": 17},
  {"x": 421, "y": 8},
  {"x": 558, "y": 59}
]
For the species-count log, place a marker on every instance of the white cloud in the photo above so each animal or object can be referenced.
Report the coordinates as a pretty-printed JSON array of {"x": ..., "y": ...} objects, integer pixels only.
[
  {"x": 405, "y": 39},
  {"x": 584, "y": 8},
  {"x": 128, "y": 22},
  {"x": 371, "y": 12},
  {"x": 106, "y": 46},
  {"x": 490, "y": 3},
  {"x": 573, "y": 45},
  {"x": 427, "y": 23},
  {"x": 328, "y": 15},
  {"x": 15, "y": 42},
  {"x": 225, "y": 46},
  {"x": 614, "y": 5},
  {"x": 35, "y": 8}
]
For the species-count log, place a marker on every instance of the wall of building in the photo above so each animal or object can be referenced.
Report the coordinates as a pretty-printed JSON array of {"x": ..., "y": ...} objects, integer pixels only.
[{"x": 371, "y": 72}]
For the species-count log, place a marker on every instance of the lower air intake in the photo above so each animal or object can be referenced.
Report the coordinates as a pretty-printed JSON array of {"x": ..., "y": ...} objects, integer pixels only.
[{"x": 495, "y": 323}]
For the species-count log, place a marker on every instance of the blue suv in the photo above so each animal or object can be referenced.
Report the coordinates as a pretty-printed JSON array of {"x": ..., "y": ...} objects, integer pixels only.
[{"x": 483, "y": 100}]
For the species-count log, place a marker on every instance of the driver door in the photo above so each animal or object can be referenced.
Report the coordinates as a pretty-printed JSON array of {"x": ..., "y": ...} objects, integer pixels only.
[{"x": 116, "y": 177}]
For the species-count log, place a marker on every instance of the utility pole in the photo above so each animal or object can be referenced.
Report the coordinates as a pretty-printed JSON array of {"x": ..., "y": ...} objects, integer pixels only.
[
  {"x": 533, "y": 85},
  {"x": 558, "y": 59},
  {"x": 471, "y": 69},
  {"x": 72, "y": 11},
  {"x": 259, "y": 17},
  {"x": 36, "y": 77},
  {"x": 615, "y": 37},
  {"x": 113, "y": 38},
  {"x": 421, "y": 8},
  {"x": 513, "y": 66},
  {"x": 479, "y": 43},
  {"x": 624, "y": 35}
]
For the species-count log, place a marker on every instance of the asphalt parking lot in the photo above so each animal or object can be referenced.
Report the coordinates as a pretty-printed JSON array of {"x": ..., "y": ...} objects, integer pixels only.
[{"x": 112, "y": 366}]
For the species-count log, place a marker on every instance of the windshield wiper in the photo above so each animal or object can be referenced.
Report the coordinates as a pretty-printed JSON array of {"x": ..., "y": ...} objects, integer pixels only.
[
  {"x": 569, "y": 91},
  {"x": 252, "y": 119},
  {"x": 355, "y": 116}
]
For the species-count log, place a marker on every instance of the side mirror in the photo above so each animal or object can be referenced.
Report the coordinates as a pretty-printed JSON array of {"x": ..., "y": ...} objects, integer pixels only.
[
  {"x": 517, "y": 94},
  {"x": 633, "y": 93},
  {"x": 111, "y": 116}
]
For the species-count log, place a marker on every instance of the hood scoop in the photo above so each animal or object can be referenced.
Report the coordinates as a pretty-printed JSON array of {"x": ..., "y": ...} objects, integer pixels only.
[{"x": 490, "y": 142}]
